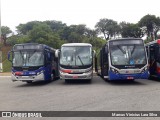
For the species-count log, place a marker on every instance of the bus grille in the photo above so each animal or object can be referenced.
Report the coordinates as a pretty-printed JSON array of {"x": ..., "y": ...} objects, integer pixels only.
[{"x": 79, "y": 77}]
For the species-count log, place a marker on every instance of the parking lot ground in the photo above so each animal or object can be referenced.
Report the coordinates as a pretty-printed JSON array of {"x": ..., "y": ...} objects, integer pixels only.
[{"x": 99, "y": 95}]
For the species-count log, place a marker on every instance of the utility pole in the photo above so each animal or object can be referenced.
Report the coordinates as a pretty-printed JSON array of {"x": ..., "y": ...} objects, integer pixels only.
[
  {"x": 0, "y": 26},
  {"x": 1, "y": 67}
]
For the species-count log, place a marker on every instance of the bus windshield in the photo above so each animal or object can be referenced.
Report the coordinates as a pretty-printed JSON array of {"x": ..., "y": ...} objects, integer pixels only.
[
  {"x": 76, "y": 55},
  {"x": 28, "y": 58},
  {"x": 128, "y": 54}
]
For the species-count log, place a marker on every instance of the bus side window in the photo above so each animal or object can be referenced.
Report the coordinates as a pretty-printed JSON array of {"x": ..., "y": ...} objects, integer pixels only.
[
  {"x": 101, "y": 58},
  {"x": 154, "y": 50},
  {"x": 48, "y": 57},
  {"x": 147, "y": 50},
  {"x": 152, "y": 53},
  {"x": 105, "y": 55},
  {"x": 157, "y": 52},
  {"x": 106, "y": 49},
  {"x": 152, "y": 56},
  {"x": 104, "y": 62},
  {"x": 54, "y": 60}
]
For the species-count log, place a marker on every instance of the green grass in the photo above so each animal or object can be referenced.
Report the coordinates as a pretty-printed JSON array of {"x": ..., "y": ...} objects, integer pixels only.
[
  {"x": 6, "y": 66},
  {"x": 5, "y": 62}
]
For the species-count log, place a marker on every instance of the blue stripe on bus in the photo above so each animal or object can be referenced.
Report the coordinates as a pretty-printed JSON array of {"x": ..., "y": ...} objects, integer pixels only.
[
  {"x": 46, "y": 70},
  {"x": 114, "y": 76}
]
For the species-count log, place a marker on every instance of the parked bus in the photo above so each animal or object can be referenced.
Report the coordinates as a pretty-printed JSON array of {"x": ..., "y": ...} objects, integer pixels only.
[
  {"x": 33, "y": 62},
  {"x": 153, "y": 50},
  {"x": 76, "y": 61},
  {"x": 123, "y": 59}
]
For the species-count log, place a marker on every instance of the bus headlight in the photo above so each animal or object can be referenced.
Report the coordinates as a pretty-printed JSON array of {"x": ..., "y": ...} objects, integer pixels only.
[
  {"x": 38, "y": 73},
  {"x": 113, "y": 70}
]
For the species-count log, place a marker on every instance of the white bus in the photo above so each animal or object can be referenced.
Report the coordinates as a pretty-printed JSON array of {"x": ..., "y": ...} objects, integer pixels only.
[{"x": 76, "y": 61}]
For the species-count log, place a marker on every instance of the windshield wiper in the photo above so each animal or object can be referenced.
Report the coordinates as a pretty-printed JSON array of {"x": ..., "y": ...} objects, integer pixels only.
[
  {"x": 124, "y": 52},
  {"x": 133, "y": 49},
  {"x": 80, "y": 60}
]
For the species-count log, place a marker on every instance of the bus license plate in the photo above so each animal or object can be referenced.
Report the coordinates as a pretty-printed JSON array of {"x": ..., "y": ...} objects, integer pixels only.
[
  {"x": 75, "y": 77},
  {"x": 130, "y": 78}
]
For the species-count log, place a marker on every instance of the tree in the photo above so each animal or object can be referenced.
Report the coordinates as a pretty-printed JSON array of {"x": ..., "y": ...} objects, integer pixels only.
[
  {"x": 91, "y": 33},
  {"x": 18, "y": 39},
  {"x": 109, "y": 28},
  {"x": 149, "y": 24},
  {"x": 157, "y": 28},
  {"x": 56, "y": 26},
  {"x": 39, "y": 31},
  {"x": 42, "y": 33},
  {"x": 131, "y": 30},
  {"x": 5, "y": 32},
  {"x": 73, "y": 33},
  {"x": 23, "y": 29},
  {"x": 54, "y": 33}
]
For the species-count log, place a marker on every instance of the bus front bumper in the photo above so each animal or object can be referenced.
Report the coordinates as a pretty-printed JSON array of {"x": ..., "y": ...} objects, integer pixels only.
[
  {"x": 115, "y": 76},
  {"x": 85, "y": 76},
  {"x": 32, "y": 78}
]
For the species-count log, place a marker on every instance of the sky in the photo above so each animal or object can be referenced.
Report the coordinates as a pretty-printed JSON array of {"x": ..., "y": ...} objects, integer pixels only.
[{"x": 88, "y": 12}]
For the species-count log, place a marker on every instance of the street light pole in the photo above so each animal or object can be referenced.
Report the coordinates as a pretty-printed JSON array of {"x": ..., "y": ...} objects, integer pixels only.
[
  {"x": 1, "y": 66},
  {"x": 0, "y": 25}
]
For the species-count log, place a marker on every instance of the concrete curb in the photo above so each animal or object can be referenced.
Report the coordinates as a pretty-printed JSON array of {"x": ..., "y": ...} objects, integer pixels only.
[{"x": 5, "y": 74}]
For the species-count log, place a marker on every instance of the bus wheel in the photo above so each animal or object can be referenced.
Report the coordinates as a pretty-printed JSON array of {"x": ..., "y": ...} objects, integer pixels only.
[
  {"x": 131, "y": 80},
  {"x": 28, "y": 82},
  {"x": 53, "y": 76},
  {"x": 66, "y": 81},
  {"x": 89, "y": 80},
  {"x": 151, "y": 77},
  {"x": 107, "y": 79}
]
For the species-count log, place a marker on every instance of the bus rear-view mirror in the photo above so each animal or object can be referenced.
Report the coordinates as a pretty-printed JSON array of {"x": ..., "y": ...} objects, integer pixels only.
[
  {"x": 57, "y": 53},
  {"x": 94, "y": 53},
  {"x": 10, "y": 56}
]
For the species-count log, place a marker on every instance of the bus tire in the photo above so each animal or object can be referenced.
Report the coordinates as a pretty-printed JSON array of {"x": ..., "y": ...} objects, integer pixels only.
[
  {"x": 53, "y": 76},
  {"x": 89, "y": 80},
  {"x": 66, "y": 81},
  {"x": 28, "y": 82},
  {"x": 107, "y": 79},
  {"x": 151, "y": 77}
]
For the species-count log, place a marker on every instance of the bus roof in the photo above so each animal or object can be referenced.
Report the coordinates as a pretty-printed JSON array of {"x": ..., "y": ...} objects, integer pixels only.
[
  {"x": 76, "y": 44},
  {"x": 125, "y": 39},
  {"x": 155, "y": 41},
  {"x": 27, "y": 44}
]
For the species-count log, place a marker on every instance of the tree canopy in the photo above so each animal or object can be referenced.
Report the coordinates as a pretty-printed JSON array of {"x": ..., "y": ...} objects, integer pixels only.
[
  {"x": 5, "y": 32},
  {"x": 108, "y": 28},
  {"x": 151, "y": 25},
  {"x": 55, "y": 33},
  {"x": 131, "y": 30}
]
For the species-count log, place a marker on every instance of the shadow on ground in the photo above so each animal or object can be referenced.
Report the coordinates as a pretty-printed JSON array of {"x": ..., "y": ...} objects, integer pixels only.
[
  {"x": 77, "y": 82},
  {"x": 125, "y": 82},
  {"x": 37, "y": 83},
  {"x": 154, "y": 79}
]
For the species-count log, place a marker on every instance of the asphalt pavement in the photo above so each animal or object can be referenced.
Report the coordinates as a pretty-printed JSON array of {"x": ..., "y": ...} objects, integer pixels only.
[{"x": 99, "y": 95}]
